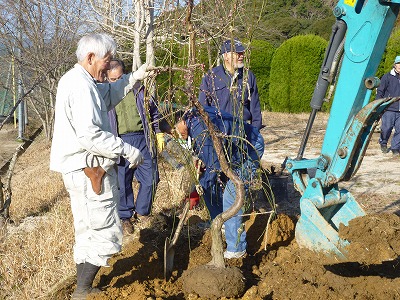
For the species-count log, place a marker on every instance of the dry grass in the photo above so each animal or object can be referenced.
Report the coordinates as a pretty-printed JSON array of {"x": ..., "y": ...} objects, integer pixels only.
[
  {"x": 35, "y": 189},
  {"x": 37, "y": 254},
  {"x": 36, "y": 251}
]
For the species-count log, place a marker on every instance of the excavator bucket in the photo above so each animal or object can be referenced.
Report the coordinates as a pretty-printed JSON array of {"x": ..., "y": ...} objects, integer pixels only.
[
  {"x": 317, "y": 228},
  {"x": 355, "y": 49}
]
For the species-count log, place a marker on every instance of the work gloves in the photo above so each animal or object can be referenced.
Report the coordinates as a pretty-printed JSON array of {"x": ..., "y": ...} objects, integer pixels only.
[
  {"x": 160, "y": 141},
  {"x": 194, "y": 199},
  {"x": 134, "y": 156},
  {"x": 141, "y": 73}
]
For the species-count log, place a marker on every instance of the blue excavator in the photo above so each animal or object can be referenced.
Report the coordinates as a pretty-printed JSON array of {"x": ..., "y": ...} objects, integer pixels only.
[{"x": 355, "y": 49}]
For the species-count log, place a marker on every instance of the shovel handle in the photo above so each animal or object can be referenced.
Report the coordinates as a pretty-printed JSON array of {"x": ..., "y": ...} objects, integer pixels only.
[
  {"x": 184, "y": 214},
  {"x": 180, "y": 224}
]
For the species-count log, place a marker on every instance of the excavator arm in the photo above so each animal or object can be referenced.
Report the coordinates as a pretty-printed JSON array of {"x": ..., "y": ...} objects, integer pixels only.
[{"x": 355, "y": 49}]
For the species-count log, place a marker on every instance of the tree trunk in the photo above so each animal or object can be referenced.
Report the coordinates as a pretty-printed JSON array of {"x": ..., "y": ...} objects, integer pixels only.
[
  {"x": 139, "y": 22},
  {"x": 191, "y": 33},
  {"x": 150, "y": 57},
  {"x": 216, "y": 226}
]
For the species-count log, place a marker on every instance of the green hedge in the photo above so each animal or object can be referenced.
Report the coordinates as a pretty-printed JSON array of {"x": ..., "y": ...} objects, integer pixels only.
[
  {"x": 260, "y": 56},
  {"x": 392, "y": 50},
  {"x": 294, "y": 72}
]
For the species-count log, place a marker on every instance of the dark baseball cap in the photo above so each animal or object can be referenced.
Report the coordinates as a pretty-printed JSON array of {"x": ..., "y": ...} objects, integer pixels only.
[{"x": 228, "y": 47}]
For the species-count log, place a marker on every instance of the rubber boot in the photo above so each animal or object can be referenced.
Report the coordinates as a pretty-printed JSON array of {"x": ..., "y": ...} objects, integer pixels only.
[{"x": 85, "y": 275}]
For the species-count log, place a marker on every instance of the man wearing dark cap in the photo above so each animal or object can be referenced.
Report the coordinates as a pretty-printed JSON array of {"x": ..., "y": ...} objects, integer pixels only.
[
  {"x": 390, "y": 87},
  {"x": 223, "y": 87}
]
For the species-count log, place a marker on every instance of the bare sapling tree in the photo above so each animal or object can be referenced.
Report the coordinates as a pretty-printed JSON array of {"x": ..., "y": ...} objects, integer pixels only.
[
  {"x": 5, "y": 190},
  {"x": 40, "y": 36},
  {"x": 131, "y": 23},
  {"x": 220, "y": 275},
  {"x": 217, "y": 246}
]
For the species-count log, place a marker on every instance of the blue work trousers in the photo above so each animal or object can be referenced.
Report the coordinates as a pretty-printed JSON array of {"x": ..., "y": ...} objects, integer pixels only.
[
  {"x": 146, "y": 174},
  {"x": 235, "y": 233},
  {"x": 213, "y": 198},
  {"x": 390, "y": 120},
  {"x": 218, "y": 199}
]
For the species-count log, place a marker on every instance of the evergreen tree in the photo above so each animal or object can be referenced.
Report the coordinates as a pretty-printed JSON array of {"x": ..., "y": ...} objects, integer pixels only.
[
  {"x": 392, "y": 50},
  {"x": 294, "y": 72},
  {"x": 284, "y": 19}
]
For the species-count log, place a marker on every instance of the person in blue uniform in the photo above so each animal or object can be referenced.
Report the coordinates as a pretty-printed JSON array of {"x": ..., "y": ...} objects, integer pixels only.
[
  {"x": 232, "y": 88},
  {"x": 137, "y": 125},
  {"x": 390, "y": 87},
  {"x": 244, "y": 147}
]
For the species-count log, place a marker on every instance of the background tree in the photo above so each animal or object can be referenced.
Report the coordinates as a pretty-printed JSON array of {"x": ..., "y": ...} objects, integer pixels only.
[
  {"x": 40, "y": 37},
  {"x": 392, "y": 50},
  {"x": 294, "y": 72},
  {"x": 131, "y": 23},
  {"x": 284, "y": 19}
]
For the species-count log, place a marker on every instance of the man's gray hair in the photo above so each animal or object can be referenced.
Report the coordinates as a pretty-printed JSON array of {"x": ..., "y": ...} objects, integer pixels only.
[{"x": 98, "y": 43}]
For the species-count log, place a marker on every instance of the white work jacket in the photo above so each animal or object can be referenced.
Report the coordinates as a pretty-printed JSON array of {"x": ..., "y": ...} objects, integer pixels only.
[{"x": 82, "y": 126}]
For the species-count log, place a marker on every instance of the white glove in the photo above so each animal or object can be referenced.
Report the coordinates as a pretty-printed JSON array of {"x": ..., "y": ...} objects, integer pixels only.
[
  {"x": 199, "y": 189},
  {"x": 134, "y": 157},
  {"x": 141, "y": 73}
]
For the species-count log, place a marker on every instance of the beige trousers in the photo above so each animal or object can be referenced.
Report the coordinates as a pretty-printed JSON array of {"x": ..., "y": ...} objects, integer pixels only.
[{"x": 98, "y": 233}]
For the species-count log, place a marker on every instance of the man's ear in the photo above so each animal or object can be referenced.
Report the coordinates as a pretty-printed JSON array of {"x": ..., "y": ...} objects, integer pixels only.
[{"x": 90, "y": 57}]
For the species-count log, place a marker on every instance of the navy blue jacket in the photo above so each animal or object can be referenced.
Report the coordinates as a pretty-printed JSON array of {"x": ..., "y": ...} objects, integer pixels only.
[
  {"x": 237, "y": 149},
  {"x": 389, "y": 87},
  {"x": 215, "y": 91}
]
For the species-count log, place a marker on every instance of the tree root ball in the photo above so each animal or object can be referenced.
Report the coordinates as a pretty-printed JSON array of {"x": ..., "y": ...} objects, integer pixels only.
[{"x": 211, "y": 282}]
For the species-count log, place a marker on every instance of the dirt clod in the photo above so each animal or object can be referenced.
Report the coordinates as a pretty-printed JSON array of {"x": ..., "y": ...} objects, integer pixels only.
[
  {"x": 281, "y": 230},
  {"x": 210, "y": 282}
]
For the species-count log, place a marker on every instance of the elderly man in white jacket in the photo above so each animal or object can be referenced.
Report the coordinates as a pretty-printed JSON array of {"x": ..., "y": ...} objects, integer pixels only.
[{"x": 84, "y": 150}]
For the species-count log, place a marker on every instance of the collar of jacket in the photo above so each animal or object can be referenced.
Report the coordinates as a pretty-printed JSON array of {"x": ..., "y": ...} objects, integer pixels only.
[
  {"x": 394, "y": 73},
  {"x": 86, "y": 73},
  {"x": 235, "y": 75}
]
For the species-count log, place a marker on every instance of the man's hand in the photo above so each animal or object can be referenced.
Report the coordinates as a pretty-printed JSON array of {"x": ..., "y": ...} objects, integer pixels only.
[
  {"x": 199, "y": 166},
  {"x": 160, "y": 140},
  {"x": 135, "y": 158},
  {"x": 141, "y": 73}
]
